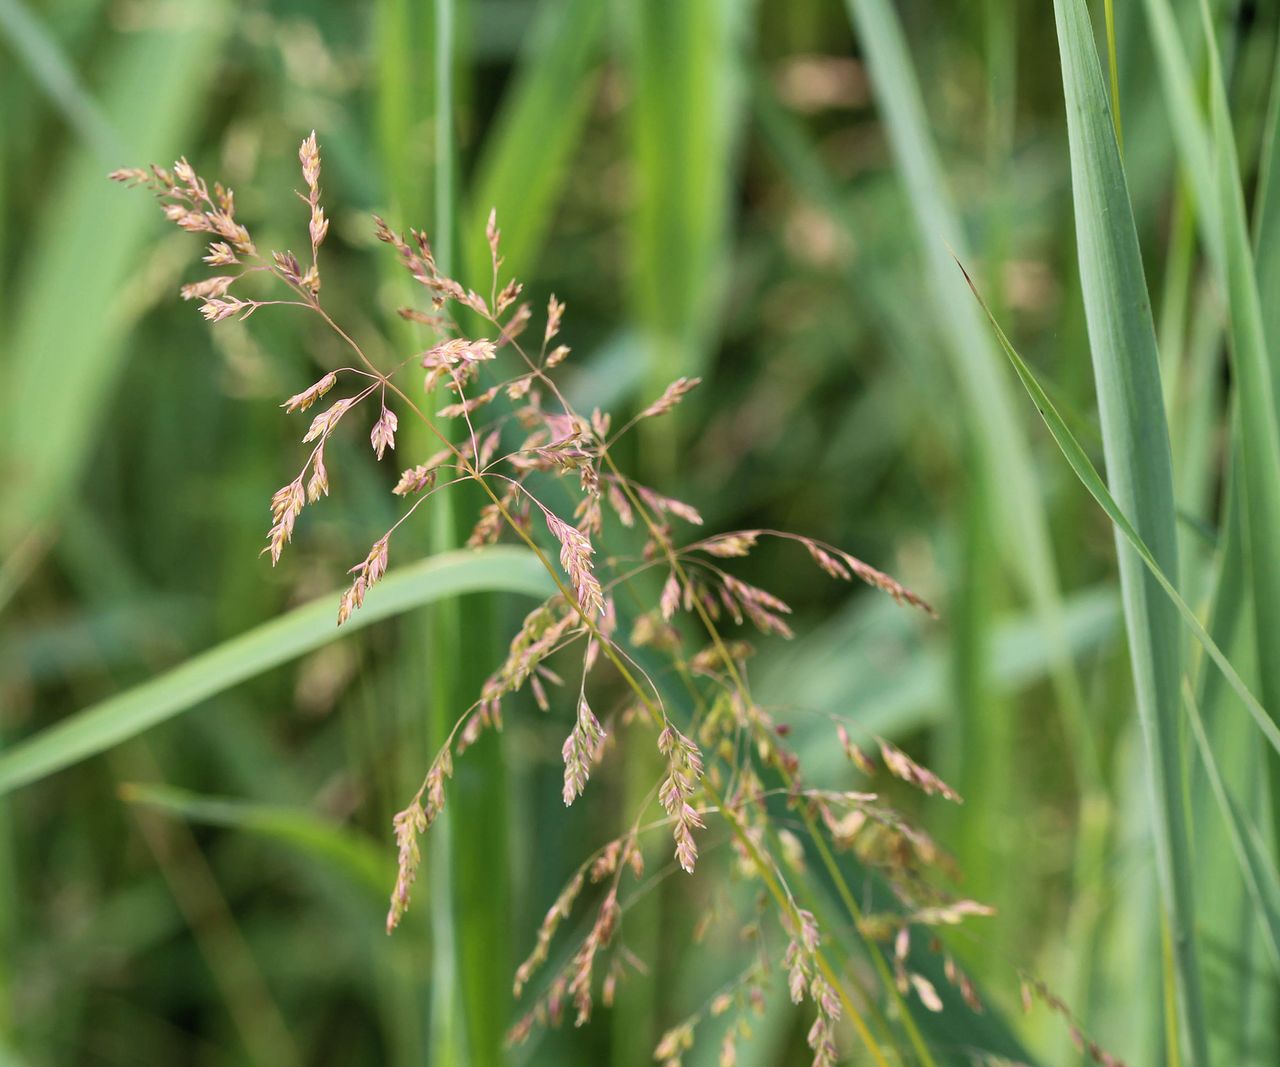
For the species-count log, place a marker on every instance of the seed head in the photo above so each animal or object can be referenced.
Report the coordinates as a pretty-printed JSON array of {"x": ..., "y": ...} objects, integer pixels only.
[
  {"x": 303, "y": 400},
  {"x": 383, "y": 434},
  {"x": 309, "y": 156}
]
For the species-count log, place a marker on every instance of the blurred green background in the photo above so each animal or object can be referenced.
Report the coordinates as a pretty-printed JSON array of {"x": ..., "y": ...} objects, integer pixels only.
[{"x": 764, "y": 194}]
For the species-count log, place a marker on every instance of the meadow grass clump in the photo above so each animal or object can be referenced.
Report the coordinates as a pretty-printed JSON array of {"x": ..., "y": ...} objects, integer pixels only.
[{"x": 648, "y": 617}]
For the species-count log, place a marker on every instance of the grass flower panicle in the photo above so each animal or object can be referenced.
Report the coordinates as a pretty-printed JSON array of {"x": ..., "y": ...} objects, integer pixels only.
[{"x": 725, "y": 760}]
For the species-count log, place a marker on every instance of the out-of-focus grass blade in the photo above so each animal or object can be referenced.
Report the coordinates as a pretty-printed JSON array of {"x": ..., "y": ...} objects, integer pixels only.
[
  {"x": 1267, "y": 217},
  {"x": 1230, "y": 592},
  {"x": 19, "y": 562},
  {"x": 1209, "y": 158},
  {"x": 1018, "y": 523},
  {"x": 797, "y": 155},
  {"x": 233, "y": 965},
  {"x": 1123, "y": 946},
  {"x": 1253, "y": 789},
  {"x": 1186, "y": 119},
  {"x": 1249, "y": 573},
  {"x": 866, "y": 663},
  {"x": 49, "y": 67},
  {"x": 1092, "y": 481},
  {"x": 71, "y": 356},
  {"x": 1255, "y": 378},
  {"x": 1113, "y": 70},
  {"x": 527, "y": 154},
  {"x": 354, "y": 855},
  {"x": 68, "y": 330},
  {"x": 1019, "y": 518},
  {"x": 685, "y": 66},
  {"x": 1140, "y": 469},
  {"x": 1259, "y": 872},
  {"x": 1238, "y": 984},
  {"x": 402, "y": 39},
  {"x": 1205, "y": 149},
  {"x": 94, "y": 729}
]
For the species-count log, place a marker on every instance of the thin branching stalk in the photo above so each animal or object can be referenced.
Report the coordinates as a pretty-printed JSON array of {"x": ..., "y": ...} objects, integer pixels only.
[{"x": 582, "y": 609}]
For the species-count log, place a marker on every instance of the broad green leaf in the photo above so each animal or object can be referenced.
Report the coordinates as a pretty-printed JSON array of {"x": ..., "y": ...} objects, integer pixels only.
[{"x": 116, "y": 719}]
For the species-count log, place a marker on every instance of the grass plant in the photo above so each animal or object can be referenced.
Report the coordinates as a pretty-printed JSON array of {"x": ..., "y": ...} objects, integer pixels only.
[{"x": 880, "y": 239}]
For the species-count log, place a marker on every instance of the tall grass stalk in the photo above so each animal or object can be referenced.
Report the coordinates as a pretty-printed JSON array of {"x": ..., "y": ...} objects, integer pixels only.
[{"x": 451, "y": 1033}]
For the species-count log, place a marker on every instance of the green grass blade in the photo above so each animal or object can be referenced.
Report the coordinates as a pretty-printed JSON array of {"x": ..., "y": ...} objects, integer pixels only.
[
  {"x": 50, "y": 68},
  {"x": 1186, "y": 118},
  {"x": 1208, "y": 154},
  {"x": 304, "y": 629},
  {"x": 1255, "y": 379},
  {"x": 1092, "y": 481},
  {"x": 1122, "y": 948},
  {"x": 401, "y": 39},
  {"x": 1089, "y": 477},
  {"x": 1267, "y": 212},
  {"x": 1018, "y": 517},
  {"x": 1250, "y": 568},
  {"x": 355, "y": 856},
  {"x": 1140, "y": 473},
  {"x": 685, "y": 67},
  {"x": 75, "y": 357},
  {"x": 851, "y": 662},
  {"x": 1021, "y": 525},
  {"x": 526, "y": 156},
  {"x": 1113, "y": 71},
  {"x": 454, "y": 1038},
  {"x": 1231, "y": 596},
  {"x": 404, "y": 56},
  {"x": 1259, "y": 873}
]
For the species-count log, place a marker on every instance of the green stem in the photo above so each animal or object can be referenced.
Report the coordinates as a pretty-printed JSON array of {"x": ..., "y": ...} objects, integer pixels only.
[{"x": 449, "y": 1031}]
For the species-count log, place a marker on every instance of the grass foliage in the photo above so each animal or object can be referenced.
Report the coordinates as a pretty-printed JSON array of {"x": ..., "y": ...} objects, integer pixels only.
[{"x": 899, "y": 241}]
